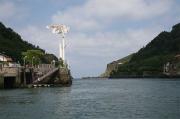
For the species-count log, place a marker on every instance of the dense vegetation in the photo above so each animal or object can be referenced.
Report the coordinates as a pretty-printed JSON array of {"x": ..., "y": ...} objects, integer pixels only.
[
  {"x": 13, "y": 45},
  {"x": 32, "y": 57},
  {"x": 125, "y": 59},
  {"x": 153, "y": 56}
]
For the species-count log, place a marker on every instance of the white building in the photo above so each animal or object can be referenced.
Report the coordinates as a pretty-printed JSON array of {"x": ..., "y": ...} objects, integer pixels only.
[{"x": 5, "y": 58}]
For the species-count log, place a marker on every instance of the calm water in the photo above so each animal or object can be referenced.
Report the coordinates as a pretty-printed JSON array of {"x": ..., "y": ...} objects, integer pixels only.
[{"x": 95, "y": 99}]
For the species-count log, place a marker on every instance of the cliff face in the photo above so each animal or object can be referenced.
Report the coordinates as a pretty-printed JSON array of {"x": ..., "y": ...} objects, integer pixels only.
[
  {"x": 11, "y": 44},
  {"x": 150, "y": 60},
  {"x": 110, "y": 67},
  {"x": 113, "y": 66}
]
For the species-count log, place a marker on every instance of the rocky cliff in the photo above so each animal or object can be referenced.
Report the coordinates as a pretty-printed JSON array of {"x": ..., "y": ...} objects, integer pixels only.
[{"x": 113, "y": 66}]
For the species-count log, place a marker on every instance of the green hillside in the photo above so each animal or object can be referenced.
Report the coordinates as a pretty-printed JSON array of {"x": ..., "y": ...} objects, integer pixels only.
[
  {"x": 125, "y": 59},
  {"x": 153, "y": 56},
  {"x": 13, "y": 45}
]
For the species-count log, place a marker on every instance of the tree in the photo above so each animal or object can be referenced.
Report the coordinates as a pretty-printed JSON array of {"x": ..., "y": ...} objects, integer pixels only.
[{"x": 33, "y": 56}]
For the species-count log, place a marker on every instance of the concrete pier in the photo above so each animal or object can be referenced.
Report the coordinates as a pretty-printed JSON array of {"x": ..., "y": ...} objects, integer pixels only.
[
  {"x": 10, "y": 77},
  {"x": 1, "y": 81},
  {"x": 20, "y": 77}
]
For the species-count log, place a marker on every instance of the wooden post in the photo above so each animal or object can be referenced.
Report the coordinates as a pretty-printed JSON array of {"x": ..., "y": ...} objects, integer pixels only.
[{"x": 24, "y": 72}]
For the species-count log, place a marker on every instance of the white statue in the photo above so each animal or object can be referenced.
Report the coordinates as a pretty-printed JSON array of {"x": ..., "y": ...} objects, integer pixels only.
[{"x": 60, "y": 29}]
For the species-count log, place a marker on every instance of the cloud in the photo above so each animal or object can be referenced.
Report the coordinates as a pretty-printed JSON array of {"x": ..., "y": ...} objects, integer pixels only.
[
  {"x": 10, "y": 10},
  {"x": 110, "y": 44},
  {"x": 42, "y": 37},
  {"x": 94, "y": 14},
  {"x": 75, "y": 20},
  {"x": 7, "y": 10},
  {"x": 130, "y": 9}
]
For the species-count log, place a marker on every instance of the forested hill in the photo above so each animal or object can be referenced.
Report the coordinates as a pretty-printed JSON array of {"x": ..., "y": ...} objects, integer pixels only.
[
  {"x": 13, "y": 45},
  {"x": 153, "y": 56}
]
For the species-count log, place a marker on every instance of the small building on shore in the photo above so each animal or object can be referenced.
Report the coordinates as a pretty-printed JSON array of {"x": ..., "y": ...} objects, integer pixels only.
[
  {"x": 172, "y": 68},
  {"x": 5, "y": 61},
  {"x": 5, "y": 58}
]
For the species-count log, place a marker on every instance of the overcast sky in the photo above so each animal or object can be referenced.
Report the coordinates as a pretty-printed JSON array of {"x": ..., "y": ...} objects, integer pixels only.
[{"x": 101, "y": 30}]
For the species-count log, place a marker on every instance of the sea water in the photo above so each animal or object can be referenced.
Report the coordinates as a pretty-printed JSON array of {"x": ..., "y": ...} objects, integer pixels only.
[{"x": 95, "y": 99}]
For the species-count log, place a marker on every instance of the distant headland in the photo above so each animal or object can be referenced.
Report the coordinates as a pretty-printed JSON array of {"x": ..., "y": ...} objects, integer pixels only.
[{"x": 159, "y": 58}]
